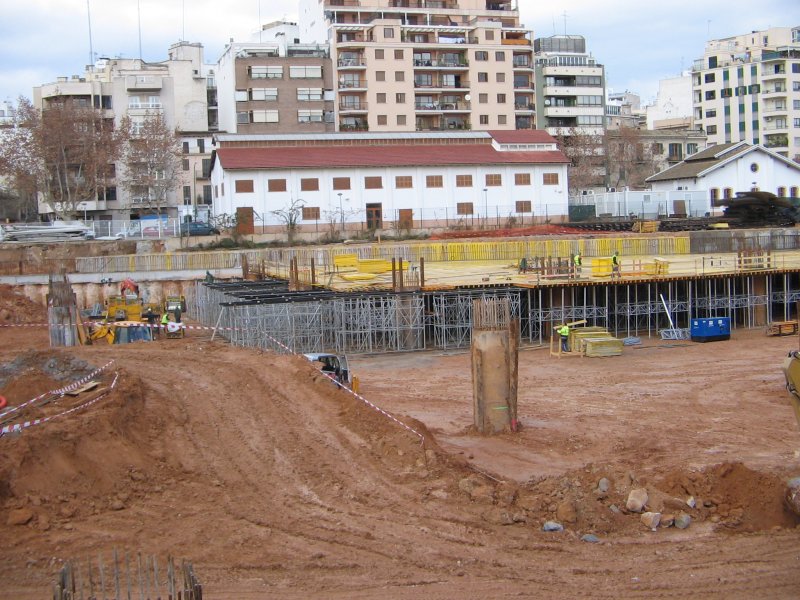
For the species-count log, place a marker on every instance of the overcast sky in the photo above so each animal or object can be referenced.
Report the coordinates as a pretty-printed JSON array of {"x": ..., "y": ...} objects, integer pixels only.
[{"x": 639, "y": 42}]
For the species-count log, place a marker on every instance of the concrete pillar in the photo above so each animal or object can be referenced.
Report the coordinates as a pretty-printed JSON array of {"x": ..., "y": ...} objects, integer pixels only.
[
  {"x": 495, "y": 356},
  {"x": 760, "y": 310}
]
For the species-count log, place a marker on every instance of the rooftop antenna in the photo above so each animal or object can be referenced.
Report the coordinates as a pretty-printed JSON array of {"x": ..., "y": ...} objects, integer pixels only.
[
  {"x": 565, "y": 23},
  {"x": 183, "y": 20},
  {"x": 260, "y": 26},
  {"x": 91, "y": 49},
  {"x": 708, "y": 29},
  {"x": 139, "y": 15}
]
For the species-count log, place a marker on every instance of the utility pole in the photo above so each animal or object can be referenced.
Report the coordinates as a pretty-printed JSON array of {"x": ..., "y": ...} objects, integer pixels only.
[{"x": 341, "y": 212}]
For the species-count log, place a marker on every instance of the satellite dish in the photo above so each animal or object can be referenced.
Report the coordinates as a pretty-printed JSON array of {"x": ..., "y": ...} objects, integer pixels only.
[
  {"x": 467, "y": 97},
  {"x": 547, "y": 102}
]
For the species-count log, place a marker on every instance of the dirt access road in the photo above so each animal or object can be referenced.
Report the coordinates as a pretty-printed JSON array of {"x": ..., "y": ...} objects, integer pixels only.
[{"x": 277, "y": 485}]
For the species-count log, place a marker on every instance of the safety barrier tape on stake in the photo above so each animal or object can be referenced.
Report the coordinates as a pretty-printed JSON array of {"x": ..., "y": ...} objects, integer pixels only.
[
  {"x": 18, "y": 427},
  {"x": 59, "y": 391}
]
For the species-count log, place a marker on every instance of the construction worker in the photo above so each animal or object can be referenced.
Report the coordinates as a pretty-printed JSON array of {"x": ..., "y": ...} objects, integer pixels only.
[
  {"x": 563, "y": 331},
  {"x": 151, "y": 321},
  {"x": 164, "y": 320},
  {"x": 523, "y": 265},
  {"x": 577, "y": 262},
  {"x": 615, "y": 272}
]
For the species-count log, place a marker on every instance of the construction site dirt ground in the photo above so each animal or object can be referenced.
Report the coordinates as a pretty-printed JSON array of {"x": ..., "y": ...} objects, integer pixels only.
[{"x": 275, "y": 484}]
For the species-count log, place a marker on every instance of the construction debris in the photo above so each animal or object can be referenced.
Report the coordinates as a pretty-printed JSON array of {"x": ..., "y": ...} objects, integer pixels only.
[{"x": 56, "y": 231}]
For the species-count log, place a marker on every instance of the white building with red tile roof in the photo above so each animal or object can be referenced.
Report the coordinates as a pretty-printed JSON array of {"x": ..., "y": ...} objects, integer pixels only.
[{"x": 392, "y": 181}]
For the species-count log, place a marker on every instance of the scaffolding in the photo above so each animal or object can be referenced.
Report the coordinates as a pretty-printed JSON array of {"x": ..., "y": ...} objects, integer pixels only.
[
  {"x": 450, "y": 321},
  {"x": 254, "y": 314},
  {"x": 378, "y": 323}
]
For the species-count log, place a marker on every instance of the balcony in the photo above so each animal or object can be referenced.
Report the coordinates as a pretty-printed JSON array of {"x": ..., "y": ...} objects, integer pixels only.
[
  {"x": 358, "y": 125},
  {"x": 441, "y": 84},
  {"x": 144, "y": 106},
  {"x": 449, "y": 4},
  {"x": 143, "y": 82},
  {"x": 524, "y": 123},
  {"x": 522, "y": 62},
  {"x": 440, "y": 64},
  {"x": 776, "y": 141},
  {"x": 348, "y": 39},
  {"x": 515, "y": 41},
  {"x": 524, "y": 107},
  {"x": 771, "y": 124},
  {"x": 352, "y": 63},
  {"x": 338, "y": 3},
  {"x": 352, "y": 107},
  {"x": 353, "y": 84},
  {"x": 442, "y": 106},
  {"x": 443, "y": 125}
]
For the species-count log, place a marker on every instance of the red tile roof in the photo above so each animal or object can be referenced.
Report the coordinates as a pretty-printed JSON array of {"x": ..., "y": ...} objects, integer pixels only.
[{"x": 309, "y": 157}]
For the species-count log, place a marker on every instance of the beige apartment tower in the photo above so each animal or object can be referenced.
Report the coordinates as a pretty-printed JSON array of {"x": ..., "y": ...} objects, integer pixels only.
[
  {"x": 425, "y": 65},
  {"x": 747, "y": 88}
]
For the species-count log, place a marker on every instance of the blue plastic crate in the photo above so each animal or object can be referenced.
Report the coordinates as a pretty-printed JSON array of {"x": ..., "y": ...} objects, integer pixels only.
[{"x": 711, "y": 329}]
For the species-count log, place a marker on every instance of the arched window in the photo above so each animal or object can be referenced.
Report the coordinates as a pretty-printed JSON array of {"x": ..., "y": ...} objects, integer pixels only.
[
  {"x": 714, "y": 195},
  {"x": 728, "y": 193},
  {"x": 781, "y": 192},
  {"x": 793, "y": 192}
]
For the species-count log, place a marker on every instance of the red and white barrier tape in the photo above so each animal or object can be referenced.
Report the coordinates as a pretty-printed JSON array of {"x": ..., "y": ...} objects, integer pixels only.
[
  {"x": 59, "y": 391},
  {"x": 379, "y": 409},
  {"x": 153, "y": 326},
  {"x": 18, "y": 427}
]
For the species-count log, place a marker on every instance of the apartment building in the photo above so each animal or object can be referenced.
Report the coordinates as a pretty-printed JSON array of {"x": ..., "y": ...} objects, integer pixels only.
[
  {"x": 6, "y": 112},
  {"x": 425, "y": 65},
  {"x": 274, "y": 84},
  {"x": 181, "y": 88},
  {"x": 571, "y": 86},
  {"x": 747, "y": 88},
  {"x": 673, "y": 105}
]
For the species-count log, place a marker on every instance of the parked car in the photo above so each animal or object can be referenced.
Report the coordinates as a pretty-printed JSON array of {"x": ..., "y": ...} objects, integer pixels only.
[
  {"x": 153, "y": 231},
  {"x": 198, "y": 228}
]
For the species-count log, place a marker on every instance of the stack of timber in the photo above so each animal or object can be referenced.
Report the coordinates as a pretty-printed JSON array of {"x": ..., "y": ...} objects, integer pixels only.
[
  {"x": 645, "y": 226},
  {"x": 595, "y": 342},
  {"x": 597, "y": 347},
  {"x": 782, "y": 328}
]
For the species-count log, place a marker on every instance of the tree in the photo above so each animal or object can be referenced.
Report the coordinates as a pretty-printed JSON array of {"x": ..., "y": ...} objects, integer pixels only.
[
  {"x": 151, "y": 160},
  {"x": 585, "y": 153},
  {"x": 290, "y": 216},
  {"x": 65, "y": 154},
  {"x": 18, "y": 167},
  {"x": 629, "y": 158}
]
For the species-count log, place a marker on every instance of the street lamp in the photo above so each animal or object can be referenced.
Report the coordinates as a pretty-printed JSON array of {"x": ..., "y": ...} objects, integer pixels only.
[
  {"x": 341, "y": 212},
  {"x": 486, "y": 204}
]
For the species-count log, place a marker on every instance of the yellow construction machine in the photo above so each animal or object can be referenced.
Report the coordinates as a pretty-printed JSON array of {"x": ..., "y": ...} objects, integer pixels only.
[
  {"x": 791, "y": 370},
  {"x": 125, "y": 317}
]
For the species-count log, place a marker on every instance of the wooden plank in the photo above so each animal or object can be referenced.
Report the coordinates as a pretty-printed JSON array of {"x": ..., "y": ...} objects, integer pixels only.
[{"x": 84, "y": 388}]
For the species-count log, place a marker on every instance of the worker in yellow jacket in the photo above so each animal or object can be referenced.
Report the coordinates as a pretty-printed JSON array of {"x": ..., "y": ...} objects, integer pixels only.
[{"x": 563, "y": 331}]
